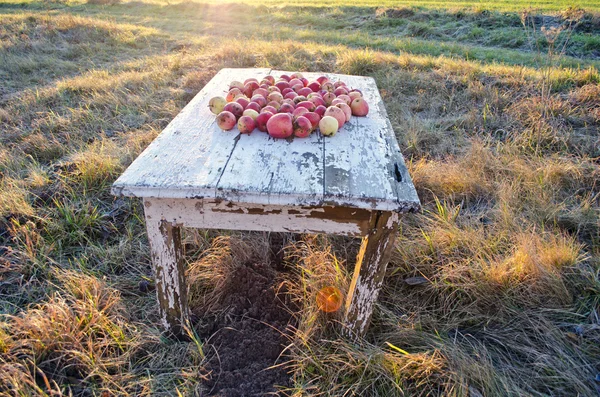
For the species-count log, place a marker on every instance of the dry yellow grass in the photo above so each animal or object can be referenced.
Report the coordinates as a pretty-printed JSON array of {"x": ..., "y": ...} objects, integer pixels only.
[{"x": 507, "y": 244}]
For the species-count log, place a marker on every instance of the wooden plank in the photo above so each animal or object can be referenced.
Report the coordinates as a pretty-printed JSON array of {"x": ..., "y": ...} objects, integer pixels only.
[
  {"x": 369, "y": 272},
  {"x": 188, "y": 157},
  {"x": 169, "y": 273},
  {"x": 263, "y": 170},
  {"x": 211, "y": 214}
]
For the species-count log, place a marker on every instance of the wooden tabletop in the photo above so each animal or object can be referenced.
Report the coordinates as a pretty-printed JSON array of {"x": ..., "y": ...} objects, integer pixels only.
[{"x": 361, "y": 166}]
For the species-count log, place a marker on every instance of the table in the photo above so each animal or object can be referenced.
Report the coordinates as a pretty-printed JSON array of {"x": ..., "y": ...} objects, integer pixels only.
[{"x": 195, "y": 175}]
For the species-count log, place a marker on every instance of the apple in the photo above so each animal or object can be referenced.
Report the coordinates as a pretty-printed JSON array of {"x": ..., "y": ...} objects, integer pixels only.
[
  {"x": 234, "y": 108},
  {"x": 317, "y": 100},
  {"x": 290, "y": 95},
  {"x": 315, "y": 86},
  {"x": 346, "y": 99},
  {"x": 243, "y": 101},
  {"x": 313, "y": 117},
  {"x": 268, "y": 108},
  {"x": 305, "y": 91},
  {"x": 327, "y": 86},
  {"x": 339, "y": 84},
  {"x": 302, "y": 127},
  {"x": 282, "y": 85},
  {"x": 296, "y": 75},
  {"x": 322, "y": 79},
  {"x": 338, "y": 113},
  {"x": 253, "y": 106},
  {"x": 346, "y": 109},
  {"x": 285, "y": 77},
  {"x": 299, "y": 99},
  {"x": 275, "y": 96},
  {"x": 307, "y": 104},
  {"x": 340, "y": 91},
  {"x": 359, "y": 107},
  {"x": 286, "y": 108},
  {"x": 354, "y": 94},
  {"x": 226, "y": 120},
  {"x": 320, "y": 110},
  {"x": 261, "y": 120},
  {"x": 270, "y": 79},
  {"x": 246, "y": 124},
  {"x": 249, "y": 88},
  {"x": 328, "y": 126},
  {"x": 232, "y": 94},
  {"x": 328, "y": 98},
  {"x": 262, "y": 92},
  {"x": 297, "y": 87},
  {"x": 286, "y": 91},
  {"x": 250, "y": 112},
  {"x": 251, "y": 79},
  {"x": 280, "y": 125},
  {"x": 299, "y": 112},
  {"x": 217, "y": 104},
  {"x": 262, "y": 102},
  {"x": 336, "y": 101},
  {"x": 236, "y": 84},
  {"x": 273, "y": 89}
]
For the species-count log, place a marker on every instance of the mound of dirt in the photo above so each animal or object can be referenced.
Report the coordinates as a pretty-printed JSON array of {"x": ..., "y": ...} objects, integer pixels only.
[{"x": 245, "y": 334}]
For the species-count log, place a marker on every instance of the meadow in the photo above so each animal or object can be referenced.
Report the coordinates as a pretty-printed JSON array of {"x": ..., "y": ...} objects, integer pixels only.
[{"x": 492, "y": 290}]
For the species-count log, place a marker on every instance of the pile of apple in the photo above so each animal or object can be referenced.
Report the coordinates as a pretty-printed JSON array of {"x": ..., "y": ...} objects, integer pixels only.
[{"x": 289, "y": 106}]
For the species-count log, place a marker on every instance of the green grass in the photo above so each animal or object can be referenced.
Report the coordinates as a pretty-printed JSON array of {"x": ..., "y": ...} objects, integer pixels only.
[{"x": 500, "y": 137}]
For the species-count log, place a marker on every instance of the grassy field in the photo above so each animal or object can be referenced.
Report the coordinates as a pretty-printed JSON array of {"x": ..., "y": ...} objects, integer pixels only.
[{"x": 498, "y": 121}]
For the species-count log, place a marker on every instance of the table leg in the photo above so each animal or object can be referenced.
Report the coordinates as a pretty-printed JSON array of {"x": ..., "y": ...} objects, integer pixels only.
[
  {"x": 171, "y": 289},
  {"x": 372, "y": 260}
]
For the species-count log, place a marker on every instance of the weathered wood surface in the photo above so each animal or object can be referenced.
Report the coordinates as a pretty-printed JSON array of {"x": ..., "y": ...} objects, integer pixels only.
[
  {"x": 169, "y": 273},
  {"x": 369, "y": 271},
  {"x": 211, "y": 214},
  {"x": 360, "y": 167}
]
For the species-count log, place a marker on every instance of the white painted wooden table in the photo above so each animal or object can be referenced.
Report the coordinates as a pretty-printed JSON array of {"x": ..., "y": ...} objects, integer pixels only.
[{"x": 195, "y": 175}]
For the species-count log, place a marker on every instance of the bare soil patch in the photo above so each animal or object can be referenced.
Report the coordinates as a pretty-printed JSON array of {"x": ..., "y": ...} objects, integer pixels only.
[{"x": 246, "y": 334}]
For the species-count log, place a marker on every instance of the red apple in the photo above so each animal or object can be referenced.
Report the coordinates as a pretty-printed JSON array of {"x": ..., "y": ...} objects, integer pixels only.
[
  {"x": 262, "y": 92},
  {"x": 359, "y": 107},
  {"x": 268, "y": 108},
  {"x": 275, "y": 96},
  {"x": 232, "y": 94},
  {"x": 226, "y": 120},
  {"x": 315, "y": 86},
  {"x": 317, "y": 100},
  {"x": 243, "y": 101},
  {"x": 327, "y": 86},
  {"x": 322, "y": 79},
  {"x": 246, "y": 124},
  {"x": 286, "y": 108},
  {"x": 313, "y": 117},
  {"x": 248, "y": 80},
  {"x": 286, "y": 91},
  {"x": 273, "y": 89},
  {"x": 308, "y": 105},
  {"x": 260, "y": 100},
  {"x": 253, "y": 106},
  {"x": 234, "y": 108},
  {"x": 302, "y": 127},
  {"x": 262, "y": 119},
  {"x": 285, "y": 77},
  {"x": 280, "y": 125},
  {"x": 305, "y": 91},
  {"x": 328, "y": 98},
  {"x": 249, "y": 88},
  {"x": 290, "y": 95},
  {"x": 270, "y": 79},
  {"x": 320, "y": 110},
  {"x": 346, "y": 109},
  {"x": 299, "y": 112},
  {"x": 282, "y": 85}
]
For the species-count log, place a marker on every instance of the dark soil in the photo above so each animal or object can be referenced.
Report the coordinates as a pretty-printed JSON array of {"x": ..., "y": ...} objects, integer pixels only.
[{"x": 247, "y": 330}]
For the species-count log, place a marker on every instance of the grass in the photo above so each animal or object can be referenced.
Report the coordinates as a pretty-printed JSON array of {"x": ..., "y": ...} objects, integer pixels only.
[{"x": 500, "y": 139}]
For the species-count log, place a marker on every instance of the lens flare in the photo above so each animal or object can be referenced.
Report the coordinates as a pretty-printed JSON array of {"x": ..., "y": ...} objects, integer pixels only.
[{"x": 329, "y": 299}]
